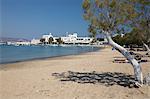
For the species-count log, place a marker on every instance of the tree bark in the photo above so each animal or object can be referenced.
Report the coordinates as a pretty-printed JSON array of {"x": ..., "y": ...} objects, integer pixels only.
[
  {"x": 147, "y": 48},
  {"x": 131, "y": 59}
]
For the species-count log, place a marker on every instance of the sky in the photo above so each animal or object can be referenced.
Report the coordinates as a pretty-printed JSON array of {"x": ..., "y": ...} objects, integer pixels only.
[{"x": 33, "y": 18}]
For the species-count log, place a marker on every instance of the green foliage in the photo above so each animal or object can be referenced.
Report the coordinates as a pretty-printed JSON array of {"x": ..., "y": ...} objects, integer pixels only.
[
  {"x": 59, "y": 41},
  {"x": 144, "y": 29},
  {"x": 135, "y": 37},
  {"x": 50, "y": 40},
  {"x": 94, "y": 40},
  {"x": 92, "y": 30},
  {"x": 86, "y": 4},
  {"x": 42, "y": 40},
  {"x": 107, "y": 15}
]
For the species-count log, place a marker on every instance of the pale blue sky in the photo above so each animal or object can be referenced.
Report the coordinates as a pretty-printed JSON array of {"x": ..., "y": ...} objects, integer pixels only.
[{"x": 32, "y": 18}]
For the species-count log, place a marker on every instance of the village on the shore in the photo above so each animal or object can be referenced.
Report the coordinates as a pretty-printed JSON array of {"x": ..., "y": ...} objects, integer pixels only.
[{"x": 49, "y": 39}]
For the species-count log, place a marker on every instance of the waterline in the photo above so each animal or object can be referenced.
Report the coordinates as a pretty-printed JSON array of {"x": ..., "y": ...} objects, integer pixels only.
[{"x": 10, "y": 54}]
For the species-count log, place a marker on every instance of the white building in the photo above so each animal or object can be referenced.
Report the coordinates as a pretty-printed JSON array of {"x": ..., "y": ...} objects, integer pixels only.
[
  {"x": 19, "y": 43},
  {"x": 22, "y": 43},
  {"x": 69, "y": 39},
  {"x": 46, "y": 37},
  {"x": 35, "y": 41},
  {"x": 11, "y": 43},
  {"x": 74, "y": 39},
  {"x": 84, "y": 40}
]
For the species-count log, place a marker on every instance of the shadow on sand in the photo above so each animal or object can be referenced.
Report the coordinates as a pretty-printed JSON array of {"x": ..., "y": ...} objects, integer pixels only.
[{"x": 106, "y": 78}]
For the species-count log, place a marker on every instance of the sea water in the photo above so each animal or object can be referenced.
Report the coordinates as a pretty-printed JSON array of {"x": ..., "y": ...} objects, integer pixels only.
[{"x": 10, "y": 53}]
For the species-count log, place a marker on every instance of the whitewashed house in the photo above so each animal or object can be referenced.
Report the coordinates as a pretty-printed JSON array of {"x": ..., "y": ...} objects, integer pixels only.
[
  {"x": 68, "y": 39},
  {"x": 46, "y": 37},
  {"x": 74, "y": 39},
  {"x": 35, "y": 41},
  {"x": 84, "y": 40},
  {"x": 22, "y": 43}
]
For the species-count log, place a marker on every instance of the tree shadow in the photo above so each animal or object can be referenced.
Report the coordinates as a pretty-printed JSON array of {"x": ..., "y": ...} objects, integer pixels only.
[{"x": 106, "y": 78}]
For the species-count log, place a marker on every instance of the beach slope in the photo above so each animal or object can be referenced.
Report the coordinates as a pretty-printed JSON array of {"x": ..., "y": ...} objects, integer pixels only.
[{"x": 90, "y": 75}]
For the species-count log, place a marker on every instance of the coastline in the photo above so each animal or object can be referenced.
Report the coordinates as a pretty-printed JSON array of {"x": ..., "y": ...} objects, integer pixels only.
[
  {"x": 45, "y": 57},
  {"x": 50, "y": 57},
  {"x": 6, "y": 65},
  {"x": 34, "y": 79}
]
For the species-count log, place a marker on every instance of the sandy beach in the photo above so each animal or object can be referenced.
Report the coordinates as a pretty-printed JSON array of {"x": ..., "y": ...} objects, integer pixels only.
[{"x": 85, "y": 76}]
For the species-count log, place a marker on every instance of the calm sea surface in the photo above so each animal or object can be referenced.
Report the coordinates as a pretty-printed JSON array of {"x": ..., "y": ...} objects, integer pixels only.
[{"x": 10, "y": 53}]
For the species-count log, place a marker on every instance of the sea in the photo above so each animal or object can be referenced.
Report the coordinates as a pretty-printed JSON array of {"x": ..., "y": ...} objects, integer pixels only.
[{"x": 11, "y": 53}]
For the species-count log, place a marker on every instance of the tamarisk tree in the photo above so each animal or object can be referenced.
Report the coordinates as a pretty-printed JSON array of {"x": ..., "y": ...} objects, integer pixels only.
[{"x": 106, "y": 16}]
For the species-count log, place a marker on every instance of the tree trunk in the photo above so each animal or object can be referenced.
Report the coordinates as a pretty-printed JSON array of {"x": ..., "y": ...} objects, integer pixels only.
[
  {"x": 147, "y": 48},
  {"x": 126, "y": 54}
]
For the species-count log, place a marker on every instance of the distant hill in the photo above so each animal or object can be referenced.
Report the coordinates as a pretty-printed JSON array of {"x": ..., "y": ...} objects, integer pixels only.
[{"x": 9, "y": 39}]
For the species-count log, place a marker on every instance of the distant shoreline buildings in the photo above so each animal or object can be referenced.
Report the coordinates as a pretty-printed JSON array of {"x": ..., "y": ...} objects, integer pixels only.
[{"x": 69, "y": 39}]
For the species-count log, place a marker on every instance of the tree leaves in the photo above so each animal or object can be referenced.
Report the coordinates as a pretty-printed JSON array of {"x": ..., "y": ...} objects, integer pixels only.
[
  {"x": 86, "y": 4},
  {"x": 108, "y": 15},
  {"x": 113, "y": 4}
]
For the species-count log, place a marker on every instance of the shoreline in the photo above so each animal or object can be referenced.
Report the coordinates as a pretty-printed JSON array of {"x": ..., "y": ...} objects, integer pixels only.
[
  {"x": 43, "y": 79},
  {"x": 4, "y": 65},
  {"x": 43, "y": 58}
]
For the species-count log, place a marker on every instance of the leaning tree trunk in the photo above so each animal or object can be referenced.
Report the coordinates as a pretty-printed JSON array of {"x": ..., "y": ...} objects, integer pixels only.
[
  {"x": 131, "y": 59},
  {"x": 147, "y": 48}
]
